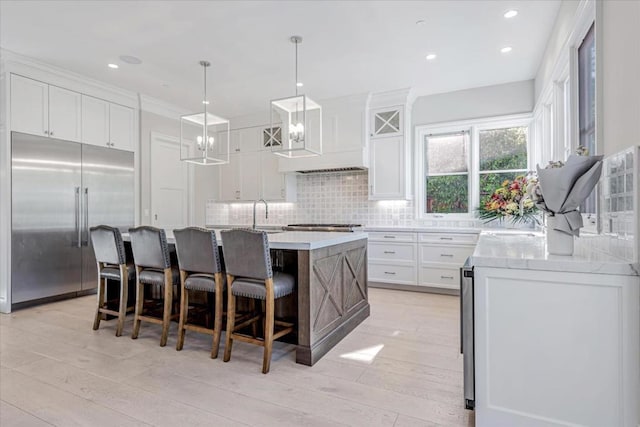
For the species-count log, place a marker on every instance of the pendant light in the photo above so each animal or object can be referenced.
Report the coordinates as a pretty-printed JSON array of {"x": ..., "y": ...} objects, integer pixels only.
[
  {"x": 300, "y": 121},
  {"x": 204, "y": 137}
]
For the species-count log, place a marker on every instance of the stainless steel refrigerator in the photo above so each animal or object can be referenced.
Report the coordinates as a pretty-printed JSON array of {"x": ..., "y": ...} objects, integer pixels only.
[{"x": 59, "y": 190}]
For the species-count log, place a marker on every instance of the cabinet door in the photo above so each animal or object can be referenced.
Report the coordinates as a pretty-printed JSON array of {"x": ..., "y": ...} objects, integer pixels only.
[
  {"x": 250, "y": 176},
  {"x": 29, "y": 106},
  {"x": 65, "y": 114},
  {"x": 121, "y": 127},
  {"x": 387, "y": 122},
  {"x": 273, "y": 183},
  {"x": 248, "y": 139},
  {"x": 95, "y": 121},
  {"x": 386, "y": 168},
  {"x": 230, "y": 179}
]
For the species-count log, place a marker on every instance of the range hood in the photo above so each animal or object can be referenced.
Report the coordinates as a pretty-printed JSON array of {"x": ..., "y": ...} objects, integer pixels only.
[{"x": 344, "y": 138}]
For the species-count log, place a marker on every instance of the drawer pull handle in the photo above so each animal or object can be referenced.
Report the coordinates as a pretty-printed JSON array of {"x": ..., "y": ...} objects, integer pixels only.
[
  {"x": 390, "y": 272},
  {"x": 447, "y": 277},
  {"x": 446, "y": 238},
  {"x": 449, "y": 255},
  {"x": 389, "y": 237},
  {"x": 389, "y": 252}
]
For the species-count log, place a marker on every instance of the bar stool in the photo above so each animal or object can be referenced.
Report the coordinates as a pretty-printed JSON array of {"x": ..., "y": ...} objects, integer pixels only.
[
  {"x": 153, "y": 267},
  {"x": 108, "y": 248},
  {"x": 249, "y": 274},
  {"x": 200, "y": 270}
]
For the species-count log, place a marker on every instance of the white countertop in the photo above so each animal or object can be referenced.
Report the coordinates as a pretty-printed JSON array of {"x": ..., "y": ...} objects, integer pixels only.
[
  {"x": 390, "y": 229},
  {"x": 294, "y": 240},
  {"x": 528, "y": 251}
]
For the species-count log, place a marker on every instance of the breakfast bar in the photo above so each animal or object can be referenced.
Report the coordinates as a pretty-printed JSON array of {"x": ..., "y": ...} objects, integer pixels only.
[{"x": 331, "y": 297}]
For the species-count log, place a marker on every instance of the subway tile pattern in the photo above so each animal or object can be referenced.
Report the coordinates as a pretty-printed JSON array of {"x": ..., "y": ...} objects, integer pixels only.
[
  {"x": 340, "y": 197},
  {"x": 619, "y": 198}
]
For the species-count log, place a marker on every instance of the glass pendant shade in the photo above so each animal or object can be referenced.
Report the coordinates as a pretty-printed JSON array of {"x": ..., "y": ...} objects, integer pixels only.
[
  {"x": 300, "y": 119},
  {"x": 204, "y": 142}
]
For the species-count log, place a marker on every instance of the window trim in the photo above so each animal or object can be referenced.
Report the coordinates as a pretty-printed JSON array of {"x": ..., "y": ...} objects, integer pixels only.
[{"x": 474, "y": 127}]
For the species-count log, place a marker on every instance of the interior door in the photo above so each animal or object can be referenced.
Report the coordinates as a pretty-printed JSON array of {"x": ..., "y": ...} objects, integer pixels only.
[
  {"x": 46, "y": 218},
  {"x": 169, "y": 184},
  {"x": 107, "y": 198}
]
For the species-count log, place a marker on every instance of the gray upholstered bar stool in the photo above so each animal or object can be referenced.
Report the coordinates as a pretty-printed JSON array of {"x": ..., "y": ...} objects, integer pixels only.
[
  {"x": 249, "y": 274},
  {"x": 153, "y": 267},
  {"x": 108, "y": 248},
  {"x": 200, "y": 270}
]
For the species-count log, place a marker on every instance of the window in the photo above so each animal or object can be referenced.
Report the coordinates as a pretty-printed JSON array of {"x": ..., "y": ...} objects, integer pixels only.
[
  {"x": 587, "y": 104},
  {"x": 463, "y": 163},
  {"x": 447, "y": 173}
]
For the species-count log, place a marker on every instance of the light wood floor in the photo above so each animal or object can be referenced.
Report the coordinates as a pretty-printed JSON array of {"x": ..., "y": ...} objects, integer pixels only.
[{"x": 401, "y": 367}]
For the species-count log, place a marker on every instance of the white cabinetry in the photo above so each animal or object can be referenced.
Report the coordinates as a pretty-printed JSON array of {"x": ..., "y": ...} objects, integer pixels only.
[
  {"x": 556, "y": 348},
  {"x": 95, "y": 121},
  {"x": 441, "y": 256},
  {"x": 392, "y": 257},
  {"x": 252, "y": 171},
  {"x": 121, "y": 122},
  {"x": 389, "y": 146},
  {"x": 41, "y": 109},
  {"x": 65, "y": 114}
]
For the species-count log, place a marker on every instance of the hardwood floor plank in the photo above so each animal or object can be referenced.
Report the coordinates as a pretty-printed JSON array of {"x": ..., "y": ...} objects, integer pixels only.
[{"x": 15, "y": 417}]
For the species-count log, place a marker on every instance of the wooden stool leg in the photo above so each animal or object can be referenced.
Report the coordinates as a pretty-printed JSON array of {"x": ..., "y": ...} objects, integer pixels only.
[
  {"x": 268, "y": 326},
  {"x": 139, "y": 305},
  {"x": 184, "y": 311},
  {"x": 124, "y": 291},
  {"x": 231, "y": 319},
  {"x": 101, "y": 291},
  {"x": 217, "y": 319},
  {"x": 168, "y": 304}
]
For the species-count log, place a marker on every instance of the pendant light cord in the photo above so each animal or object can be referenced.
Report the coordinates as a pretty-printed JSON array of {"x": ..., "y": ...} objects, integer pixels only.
[
  {"x": 204, "y": 101},
  {"x": 296, "y": 82}
]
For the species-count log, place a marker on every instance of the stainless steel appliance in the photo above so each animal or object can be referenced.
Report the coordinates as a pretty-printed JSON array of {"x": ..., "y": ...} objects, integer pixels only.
[
  {"x": 59, "y": 190},
  {"x": 323, "y": 227},
  {"x": 467, "y": 333}
]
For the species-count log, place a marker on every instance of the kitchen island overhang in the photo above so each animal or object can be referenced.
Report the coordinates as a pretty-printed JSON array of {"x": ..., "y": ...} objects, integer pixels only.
[{"x": 331, "y": 286}]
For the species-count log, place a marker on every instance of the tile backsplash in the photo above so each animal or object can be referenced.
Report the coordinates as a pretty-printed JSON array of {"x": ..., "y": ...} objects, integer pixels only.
[{"x": 330, "y": 198}]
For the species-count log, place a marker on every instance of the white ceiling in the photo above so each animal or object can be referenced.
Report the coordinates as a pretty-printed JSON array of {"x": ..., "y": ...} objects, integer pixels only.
[{"x": 349, "y": 46}]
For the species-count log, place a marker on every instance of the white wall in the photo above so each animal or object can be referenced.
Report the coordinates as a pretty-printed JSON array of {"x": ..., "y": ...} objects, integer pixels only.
[
  {"x": 488, "y": 101},
  {"x": 562, "y": 29},
  {"x": 620, "y": 74}
]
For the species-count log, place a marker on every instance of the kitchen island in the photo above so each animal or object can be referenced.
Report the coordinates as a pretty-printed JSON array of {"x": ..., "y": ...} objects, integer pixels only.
[
  {"x": 556, "y": 337},
  {"x": 331, "y": 296}
]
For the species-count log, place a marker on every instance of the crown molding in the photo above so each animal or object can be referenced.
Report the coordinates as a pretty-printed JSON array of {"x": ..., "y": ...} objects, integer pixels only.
[
  {"x": 162, "y": 108},
  {"x": 402, "y": 96}
]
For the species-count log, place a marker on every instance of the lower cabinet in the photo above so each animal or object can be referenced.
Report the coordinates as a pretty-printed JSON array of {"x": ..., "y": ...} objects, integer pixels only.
[{"x": 430, "y": 259}]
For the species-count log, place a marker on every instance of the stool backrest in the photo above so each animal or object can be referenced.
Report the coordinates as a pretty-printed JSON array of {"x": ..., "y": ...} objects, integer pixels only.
[
  {"x": 197, "y": 250},
  {"x": 150, "y": 248},
  {"x": 108, "y": 246},
  {"x": 246, "y": 253}
]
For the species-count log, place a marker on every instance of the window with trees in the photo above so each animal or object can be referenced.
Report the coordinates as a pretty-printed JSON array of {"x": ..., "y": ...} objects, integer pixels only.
[
  {"x": 463, "y": 163},
  {"x": 587, "y": 104}
]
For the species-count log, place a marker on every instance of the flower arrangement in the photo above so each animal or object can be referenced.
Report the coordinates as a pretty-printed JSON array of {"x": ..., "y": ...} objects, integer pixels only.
[{"x": 510, "y": 202}]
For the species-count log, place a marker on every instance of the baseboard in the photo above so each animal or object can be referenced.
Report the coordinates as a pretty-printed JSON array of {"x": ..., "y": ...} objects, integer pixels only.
[{"x": 414, "y": 288}]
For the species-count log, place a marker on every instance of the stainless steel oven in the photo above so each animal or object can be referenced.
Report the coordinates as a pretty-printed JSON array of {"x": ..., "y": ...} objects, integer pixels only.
[{"x": 467, "y": 332}]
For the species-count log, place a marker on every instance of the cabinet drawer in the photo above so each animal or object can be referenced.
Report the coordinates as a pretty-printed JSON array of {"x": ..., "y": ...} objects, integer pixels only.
[
  {"x": 387, "y": 273},
  {"x": 399, "y": 252},
  {"x": 439, "y": 277},
  {"x": 445, "y": 254},
  {"x": 449, "y": 238},
  {"x": 380, "y": 236}
]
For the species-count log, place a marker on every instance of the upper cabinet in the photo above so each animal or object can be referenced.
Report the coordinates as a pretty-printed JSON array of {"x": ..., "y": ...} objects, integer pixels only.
[
  {"x": 390, "y": 168},
  {"x": 41, "y": 109}
]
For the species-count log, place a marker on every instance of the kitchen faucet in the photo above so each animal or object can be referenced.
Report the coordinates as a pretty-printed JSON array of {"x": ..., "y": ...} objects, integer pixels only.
[{"x": 266, "y": 211}]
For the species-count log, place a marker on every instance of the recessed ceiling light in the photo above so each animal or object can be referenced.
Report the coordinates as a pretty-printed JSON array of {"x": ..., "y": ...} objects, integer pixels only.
[
  {"x": 510, "y": 13},
  {"x": 431, "y": 56},
  {"x": 130, "y": 59},
  {"x": 114, "y": 66},
  {"x": 506, "y": 49},
  {"x": 420, "y": 22},
  {"x": 299, "y": 84},
  {"x": 205, "y": 102}
]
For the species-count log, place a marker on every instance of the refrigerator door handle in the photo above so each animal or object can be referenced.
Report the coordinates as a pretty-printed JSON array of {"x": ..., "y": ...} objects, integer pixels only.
[
  {"x": 86, "y": 214},
  {"x": 78, "y": 226}
]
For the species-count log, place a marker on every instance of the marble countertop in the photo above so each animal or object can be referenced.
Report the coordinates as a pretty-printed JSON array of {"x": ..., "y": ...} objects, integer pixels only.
[
  {"x": 527, "y": 250},
  {"x": 390, "y": 229},
  {"x": 293, "y": 240}
]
